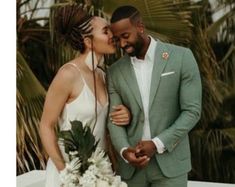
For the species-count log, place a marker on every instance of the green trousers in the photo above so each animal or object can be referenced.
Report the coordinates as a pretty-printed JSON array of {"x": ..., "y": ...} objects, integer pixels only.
[{"x": 151, "y": 176}]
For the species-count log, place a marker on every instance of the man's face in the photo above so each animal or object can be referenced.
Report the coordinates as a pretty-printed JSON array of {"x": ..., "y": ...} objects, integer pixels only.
[{"x": 128, "y": 36}]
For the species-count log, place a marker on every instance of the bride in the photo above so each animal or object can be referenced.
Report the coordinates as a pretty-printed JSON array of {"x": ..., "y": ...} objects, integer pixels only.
[{"x": 78, "y": 91}]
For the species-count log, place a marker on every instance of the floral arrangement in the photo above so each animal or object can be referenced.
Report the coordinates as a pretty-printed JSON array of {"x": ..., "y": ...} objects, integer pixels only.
[{"x": 88, "y": 165}]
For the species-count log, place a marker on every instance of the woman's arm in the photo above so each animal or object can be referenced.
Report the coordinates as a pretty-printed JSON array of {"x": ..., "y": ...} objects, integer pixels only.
[{"x": 57, "y": 95}]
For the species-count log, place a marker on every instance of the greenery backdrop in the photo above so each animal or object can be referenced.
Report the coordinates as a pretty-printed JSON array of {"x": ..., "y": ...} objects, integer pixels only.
[{"x": 182, "y": 22}]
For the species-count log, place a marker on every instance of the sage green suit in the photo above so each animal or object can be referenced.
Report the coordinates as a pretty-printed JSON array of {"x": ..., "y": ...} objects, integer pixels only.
[{"x": 174, "y": 107}]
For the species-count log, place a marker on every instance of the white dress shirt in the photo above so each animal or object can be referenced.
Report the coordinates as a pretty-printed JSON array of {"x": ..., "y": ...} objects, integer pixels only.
[{"x": 143, "y": 71}]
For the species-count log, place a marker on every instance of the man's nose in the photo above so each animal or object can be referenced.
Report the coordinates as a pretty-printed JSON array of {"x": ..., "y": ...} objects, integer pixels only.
[{"x": 122, "y": 43}]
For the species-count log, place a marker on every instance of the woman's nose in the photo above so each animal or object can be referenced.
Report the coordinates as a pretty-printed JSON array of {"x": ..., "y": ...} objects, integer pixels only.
[{"x": 110, "y": 34}]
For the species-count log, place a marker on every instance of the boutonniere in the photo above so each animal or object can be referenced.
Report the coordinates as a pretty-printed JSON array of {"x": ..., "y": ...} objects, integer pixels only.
[{"x": 165, "y": 55}]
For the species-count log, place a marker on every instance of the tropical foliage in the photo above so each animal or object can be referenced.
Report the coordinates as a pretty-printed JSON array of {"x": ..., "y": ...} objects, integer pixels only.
[
  {"x": 177, "y": 21},
  {"x": 213, "y": 138},
  {"x": 30, "y": 96},
  {"x": 80, "y": 141},
  {"x": 31, "y": 67}
]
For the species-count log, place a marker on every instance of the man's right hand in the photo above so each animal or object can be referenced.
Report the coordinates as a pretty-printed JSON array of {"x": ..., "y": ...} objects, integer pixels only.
[{"x": 130, "y": 156}]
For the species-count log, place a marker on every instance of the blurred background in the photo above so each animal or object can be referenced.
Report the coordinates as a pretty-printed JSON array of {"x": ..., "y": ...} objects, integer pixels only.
[{"x": 205, "y": 26}]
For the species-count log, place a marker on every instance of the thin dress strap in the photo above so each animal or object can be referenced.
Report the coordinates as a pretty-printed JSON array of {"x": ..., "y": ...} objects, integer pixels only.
[{"x": 74, "y": 65}]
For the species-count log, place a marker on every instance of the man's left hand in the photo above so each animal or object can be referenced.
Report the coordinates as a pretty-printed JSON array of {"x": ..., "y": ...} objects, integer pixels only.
[{"x": 147, "y": 148}]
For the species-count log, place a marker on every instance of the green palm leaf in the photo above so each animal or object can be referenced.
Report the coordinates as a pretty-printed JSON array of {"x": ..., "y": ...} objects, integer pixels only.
[
  {"x": 168, "y": 20},
  {"x": 30, "y": 98},
  {"x": 217, "y": 146},
  {"x": 214, "y": 27},
  {"x": 81, "y": 140}
]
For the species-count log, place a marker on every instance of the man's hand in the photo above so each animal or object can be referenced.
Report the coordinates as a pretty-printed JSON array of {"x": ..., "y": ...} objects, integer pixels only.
[
  {"x": 130, "y": 155},
  {"x": 120, "y": 116},
  {"x": 147, "y": 148}
]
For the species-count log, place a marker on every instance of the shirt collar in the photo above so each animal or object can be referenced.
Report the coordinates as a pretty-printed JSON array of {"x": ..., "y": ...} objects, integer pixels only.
[
  {"x": 149, "y": 56},
  {"x": 151, "y": 50}
]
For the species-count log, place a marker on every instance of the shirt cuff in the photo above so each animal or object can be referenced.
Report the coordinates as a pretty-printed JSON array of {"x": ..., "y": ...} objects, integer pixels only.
[
  {"x": 159, "y": 145},
  {"x": 123, "y": 149}
]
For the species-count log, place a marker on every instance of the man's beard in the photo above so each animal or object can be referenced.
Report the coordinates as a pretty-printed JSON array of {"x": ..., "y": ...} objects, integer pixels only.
[{"x": 137, "y": 46}]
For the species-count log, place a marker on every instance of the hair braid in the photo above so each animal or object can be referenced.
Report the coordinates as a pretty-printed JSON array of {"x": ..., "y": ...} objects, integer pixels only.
[{"x": 72, "y": 23}]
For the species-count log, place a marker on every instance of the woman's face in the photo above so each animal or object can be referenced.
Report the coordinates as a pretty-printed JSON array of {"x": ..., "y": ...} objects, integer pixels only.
[{"x": 102, "y": 36}]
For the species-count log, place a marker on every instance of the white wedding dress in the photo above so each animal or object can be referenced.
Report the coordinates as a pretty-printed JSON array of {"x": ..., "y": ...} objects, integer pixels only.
[{"x": 81, "y": 109}]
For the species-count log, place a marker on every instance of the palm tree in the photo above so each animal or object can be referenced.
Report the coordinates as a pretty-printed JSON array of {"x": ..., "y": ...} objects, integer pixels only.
[
  {"x": 30, "y": 97},
  {"x": 214, "y": 137},
  {"x": 30, "y": 92}
]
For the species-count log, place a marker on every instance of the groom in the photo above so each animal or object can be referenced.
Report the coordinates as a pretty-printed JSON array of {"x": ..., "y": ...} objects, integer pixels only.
[{"x": 161, "y": 86}]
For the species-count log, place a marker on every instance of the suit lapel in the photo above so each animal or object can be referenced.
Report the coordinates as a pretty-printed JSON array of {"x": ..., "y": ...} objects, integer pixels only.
[
  {"x": 130, "y": 77},
  {"x": 158, "y": 67}
]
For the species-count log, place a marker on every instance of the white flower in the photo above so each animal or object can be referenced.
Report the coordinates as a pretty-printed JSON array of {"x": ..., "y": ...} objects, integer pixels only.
[
  {"x": 116, "y": 181},
  {"x": 74, "y": 165},
  {"x": 123, "y": 184},
  {"x": 99, "y": 172},
  {"x": 73, "y": 154},
  {"x": 70, "y": 174},
  {"x": 97, "y": 156},
  {"x": 93, "y": 169},
  {"x": 103, "y": 164},
  {"x": 102, "y": 183},
  {"x": 69, "y": 180},
  {"x": 88, "y": 179}
]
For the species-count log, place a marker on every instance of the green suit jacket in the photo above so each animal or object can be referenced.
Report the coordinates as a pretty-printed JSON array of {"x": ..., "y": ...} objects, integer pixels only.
[{"x": 174, "y": 107}]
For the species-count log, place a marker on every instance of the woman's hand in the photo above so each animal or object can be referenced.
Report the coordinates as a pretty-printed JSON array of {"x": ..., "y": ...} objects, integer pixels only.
[
  {"x": 60, "y": 166},
  {"x": 120, "y": 116}
]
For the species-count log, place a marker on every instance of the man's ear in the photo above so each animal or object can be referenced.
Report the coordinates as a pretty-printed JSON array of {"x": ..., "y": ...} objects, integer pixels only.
[
  {"x": 140, "y": 26},
  {"x": 88, "y": 42}
]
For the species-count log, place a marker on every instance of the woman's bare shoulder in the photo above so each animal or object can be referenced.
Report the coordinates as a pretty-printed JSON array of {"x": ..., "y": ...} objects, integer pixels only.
[
  {"x": 69, "y": 71},
  {"x": 66, "y": 75}
]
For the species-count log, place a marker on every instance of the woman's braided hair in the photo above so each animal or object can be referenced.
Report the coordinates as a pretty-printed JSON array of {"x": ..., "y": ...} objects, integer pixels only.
[{"x": 72, "y": 23}]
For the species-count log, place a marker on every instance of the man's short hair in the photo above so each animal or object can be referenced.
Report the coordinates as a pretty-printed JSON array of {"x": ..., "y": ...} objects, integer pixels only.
[{"x": 124, "y": 12}]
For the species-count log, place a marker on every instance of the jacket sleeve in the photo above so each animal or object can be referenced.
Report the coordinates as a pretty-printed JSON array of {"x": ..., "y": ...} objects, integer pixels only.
[
  {"x": 190, "y": 103},
  {"x": 117, "y": 133}
]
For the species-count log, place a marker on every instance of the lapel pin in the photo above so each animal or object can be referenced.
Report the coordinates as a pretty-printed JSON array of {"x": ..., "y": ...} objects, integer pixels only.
[{"x": 165, "y": 55}]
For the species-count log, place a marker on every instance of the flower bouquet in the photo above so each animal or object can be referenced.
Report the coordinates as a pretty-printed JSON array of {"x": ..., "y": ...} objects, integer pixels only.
[{"x": 88, "y": 165}]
